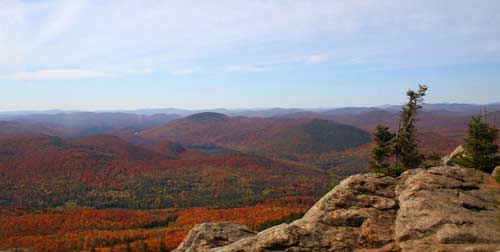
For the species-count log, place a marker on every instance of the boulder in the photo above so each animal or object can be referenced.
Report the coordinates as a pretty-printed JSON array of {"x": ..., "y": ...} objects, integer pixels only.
[
  {"x": 448, "y": 209},
  {"x": 438, "y": 209},
  {"x": 205, "y": 236}
]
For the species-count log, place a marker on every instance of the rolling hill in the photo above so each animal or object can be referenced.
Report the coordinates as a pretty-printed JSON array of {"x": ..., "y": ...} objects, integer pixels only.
[
  {"x": 265, "y": 136},
  {"x": 104, "y": 171},
  {"x": 10, "y": 129}
]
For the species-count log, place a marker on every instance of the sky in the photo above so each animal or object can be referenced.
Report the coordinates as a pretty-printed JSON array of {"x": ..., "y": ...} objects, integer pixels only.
[{"x": 101, "y": 55}]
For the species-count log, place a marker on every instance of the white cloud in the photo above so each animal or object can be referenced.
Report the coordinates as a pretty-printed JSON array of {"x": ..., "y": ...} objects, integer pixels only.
[
  {"x": 246, "y": 69},
  {"x": 316, "y": 58},
  {"x": 121, "y": 34},
  {"x": 64, "y": 16},
  {"x": 58, "y": 74},
  {"x": 182, "y": 72}
]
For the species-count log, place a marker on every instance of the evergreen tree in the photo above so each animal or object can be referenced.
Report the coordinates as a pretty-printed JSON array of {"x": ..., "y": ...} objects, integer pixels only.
[
  {"x": 397, "y": 152},
  {"x": 163, "y": 246},
  {"x": 481, "y": 152},
  {"x": 383, "y": 150},
  {"x": 405, "y": 147},
  {"x": 434, "y": 159}
]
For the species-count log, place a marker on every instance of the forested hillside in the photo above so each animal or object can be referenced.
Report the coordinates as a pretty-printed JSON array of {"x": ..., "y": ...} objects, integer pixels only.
[{"x": 204, "y": 167}]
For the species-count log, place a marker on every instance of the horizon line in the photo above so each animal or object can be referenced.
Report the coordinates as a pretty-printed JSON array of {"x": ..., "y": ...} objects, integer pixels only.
[{"x": 57, "y": 110}]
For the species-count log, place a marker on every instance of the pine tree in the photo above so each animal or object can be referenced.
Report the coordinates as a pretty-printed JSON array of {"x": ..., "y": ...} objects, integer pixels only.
[
  {"x": 397, "y": 152},
  {"x": 406, "y": 148},
  {"x": 383, "y": 150},
  {"x": 481, "y": 152}
]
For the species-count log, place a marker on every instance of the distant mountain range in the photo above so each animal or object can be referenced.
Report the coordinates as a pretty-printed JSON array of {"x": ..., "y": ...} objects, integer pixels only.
[
  {"x": 77, "y": 124},
  {"x": 268, "y": 112}
]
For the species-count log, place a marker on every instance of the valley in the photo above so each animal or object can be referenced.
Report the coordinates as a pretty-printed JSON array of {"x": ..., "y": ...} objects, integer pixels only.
[{"x": 145, "y": 180}]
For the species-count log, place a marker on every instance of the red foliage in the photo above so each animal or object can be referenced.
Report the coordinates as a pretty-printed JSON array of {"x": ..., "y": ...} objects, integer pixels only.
[{"x": 83, "y": 229}]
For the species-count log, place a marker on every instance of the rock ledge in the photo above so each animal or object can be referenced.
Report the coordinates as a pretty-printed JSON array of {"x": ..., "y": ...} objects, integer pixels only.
[{"x": 438, "y": 209}]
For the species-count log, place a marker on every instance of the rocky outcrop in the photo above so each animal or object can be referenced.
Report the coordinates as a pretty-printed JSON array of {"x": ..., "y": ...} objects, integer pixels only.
[
  {"x": 205, "y": 236},
  {"x": 448, "y": 209},
  {"x": 438, "y": 209}
]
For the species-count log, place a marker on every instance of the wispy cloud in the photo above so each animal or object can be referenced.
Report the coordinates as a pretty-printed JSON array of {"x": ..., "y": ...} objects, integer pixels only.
[
  {"x": 247, "y": 69},
  {"x": 182, "y": 72},
  {"x": 312, "y": 59},
  {"x": 58, "y": 74},
  {"x": 316, "y": 58},
  {"x": 65, "y": 15},
  {"x": 123, "y": 34}
]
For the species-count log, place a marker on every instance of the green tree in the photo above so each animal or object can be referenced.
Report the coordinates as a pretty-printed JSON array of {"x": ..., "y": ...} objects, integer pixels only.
[
  {"x": 480, "y": 152},
  {"x": 396, "y": 152},
  {"x": 382, "y": 152},
  {"x": 434, "y": 159},
  {"x": 406, "y": 147}
]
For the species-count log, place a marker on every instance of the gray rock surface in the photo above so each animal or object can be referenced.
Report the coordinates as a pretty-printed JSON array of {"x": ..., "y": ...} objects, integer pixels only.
[
  {"x": 439, "y": 209},
  {"x": 205, "y": 236},
  {"x": 448, "y": 209}
]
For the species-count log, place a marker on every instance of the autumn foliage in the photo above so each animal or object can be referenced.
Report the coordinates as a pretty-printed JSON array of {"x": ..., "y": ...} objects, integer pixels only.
[
  {"x": 143, "y": 192},
  {"x": 115, "y": 230}
]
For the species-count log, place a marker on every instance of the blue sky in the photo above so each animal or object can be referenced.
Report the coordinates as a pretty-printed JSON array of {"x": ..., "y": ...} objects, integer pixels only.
[{"x": 93, "y": 55}]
